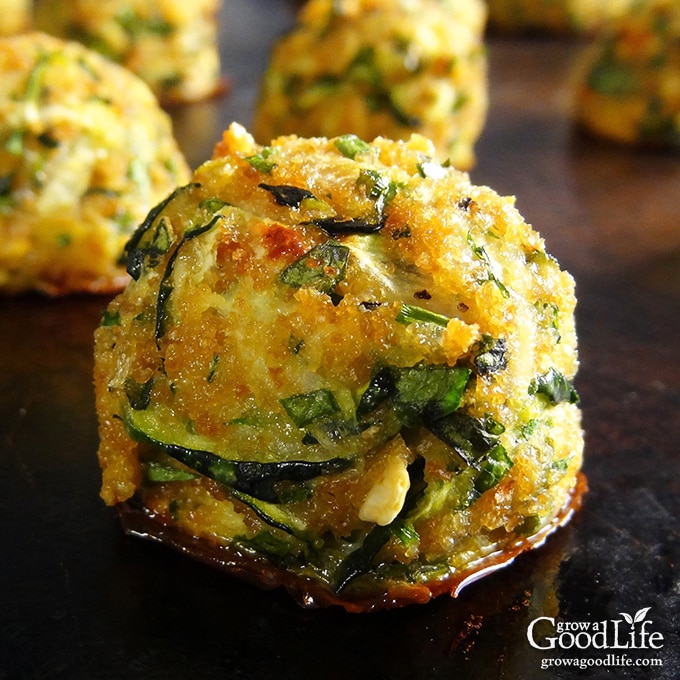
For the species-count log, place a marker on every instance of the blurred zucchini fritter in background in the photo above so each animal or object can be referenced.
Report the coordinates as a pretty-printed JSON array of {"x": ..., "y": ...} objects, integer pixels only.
[
  {"x": 380, "y": 67},
  {"x": 85, "y": 152},
  {"x": 170, "y": 44}
]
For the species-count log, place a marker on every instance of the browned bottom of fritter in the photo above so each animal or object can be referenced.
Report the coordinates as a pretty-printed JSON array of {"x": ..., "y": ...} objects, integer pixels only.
[{"x": 139, "y": 521}]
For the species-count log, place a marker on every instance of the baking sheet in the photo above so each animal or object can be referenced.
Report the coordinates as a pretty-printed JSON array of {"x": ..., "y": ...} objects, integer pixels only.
[{"x": 78, "y": 599}]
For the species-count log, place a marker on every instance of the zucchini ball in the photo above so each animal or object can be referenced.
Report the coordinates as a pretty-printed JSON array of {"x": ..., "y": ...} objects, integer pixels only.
[
  {"x": 627, "y": 84},
  {"x": 340, "y": 367},
  {"x": 85, "y": 152},
  {"x": 380, "y": 68},
  {"x": 170, "y": 44}
]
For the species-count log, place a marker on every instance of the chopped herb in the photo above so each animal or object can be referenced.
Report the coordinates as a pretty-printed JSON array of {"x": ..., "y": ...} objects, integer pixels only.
[
  {"x": 322, "y": 268},
  {"x": 411, "y": 314},
  {"x": 305, "y": 93},
  {"x": 137, "y": 172},
  {"x": 171, "y": 166},
  {"x": 33, "y": 83},
  {"x": 287, "y": 195},
  {"x": 212, "y": 205},
  {"x": 530, "y": 525},
  {"x": 494, "y": 468},
  {"x": 527, "y": 430},
  {"x": 110, "y": 318},
  {"x": 64, "y": 240},
  {"x": 480, "y": 253},
  {"x": 135, "y": 25},
  {"x": 560, "y": 465},
  {"x": 363, "y": 68},
  {"x": 376, "y": 185},
  {"x": 555, "y": 387},
  {"x": 490, "y": 356},
  {"x": 213, "y": 368},
  {"x": 423, "y": 391},
  {"x": 306, "y": 408},
  {"x": 261, "y": 161},
  {"x": 138, "y": 394},
  {"x": 170, "y": 81},
  {"x": 465, "y": 203},
  {"x": 405, "y": 533},
  {"x": 15, "y": 142},
  {"x": 552, "y": 312},
  {"x": 461, "y": 100},
  {"x": 540, "y": 257},
  {"x": 378, "y": 188},
  {"x": 402, "y": 117},
  {"x": 351, "y": 145},
  {"x": 613, "y": 77}
]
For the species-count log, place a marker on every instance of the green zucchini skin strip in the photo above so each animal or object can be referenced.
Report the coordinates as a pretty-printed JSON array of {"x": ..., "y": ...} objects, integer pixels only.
[
  {"x": 166, "y": 286},
  {"x": 275, "y": 515},
  {"x": 134, "y": 253},
  {"x": 249, "y": 477}
]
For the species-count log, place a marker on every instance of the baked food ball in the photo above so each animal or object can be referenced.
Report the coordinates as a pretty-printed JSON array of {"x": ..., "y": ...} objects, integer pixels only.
[
  {"x": 380, "y": 67},
  {"x": 170, "y": 44},
  {"x": 627, "y": 85},
  {"x": 85, "y": 153},
  {"x": 15, "y": 16},
  {"x": 555, "y": 16},
  {"x": 340, "y": 367}
]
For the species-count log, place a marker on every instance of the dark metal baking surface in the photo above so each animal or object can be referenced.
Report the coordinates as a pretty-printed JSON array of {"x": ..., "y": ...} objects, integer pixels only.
[{"x": 78, "y": 599}]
